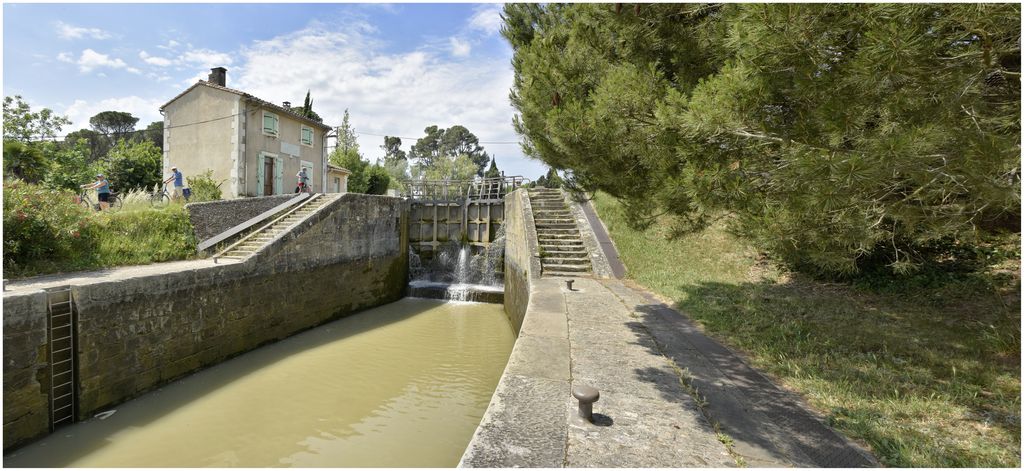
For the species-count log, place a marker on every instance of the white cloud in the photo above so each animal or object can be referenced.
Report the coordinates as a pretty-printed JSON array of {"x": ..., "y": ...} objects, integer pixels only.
[
  {"x": 91, "y": 60},
  {"x": 460, "y": 47},
  {"x": 397, "y": 94},
  {"x": 171, "y": 45},
  {"x": 154, "y": 60},
  {"x": 66, "y": 31},
  {"x": 66, "y": 57},
  {"x": 487, "y": 18},
  {"x": 147, "y": 110},
  {"x": 206, "y": 58}
]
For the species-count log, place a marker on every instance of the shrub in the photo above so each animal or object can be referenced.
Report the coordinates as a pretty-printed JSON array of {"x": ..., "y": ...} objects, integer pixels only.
[
  {"x": 204, "y": 187},
  {"x": 378, "y": 180},
  {"x": 43, "y": 225},
  {"x": 133, "y": 165},
  {"x": 24, "y": 161}
]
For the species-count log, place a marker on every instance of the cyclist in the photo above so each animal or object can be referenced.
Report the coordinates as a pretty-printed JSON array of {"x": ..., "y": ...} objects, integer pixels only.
[
  {"x": 178, "y": 183},
  {"x": 303, "y": 179},
  {"x": 102, "y": 187}
]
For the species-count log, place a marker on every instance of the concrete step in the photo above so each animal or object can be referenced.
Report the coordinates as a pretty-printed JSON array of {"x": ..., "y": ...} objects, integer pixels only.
[
  {"x": 545, "y": 268},
  {"x": 547, "y": 237},
  {"x": 566, "y": 254},
  {"x": 549, "y": 260},
  {"x": 542, "y": 231},
  {"x": 565, "y": 244},
  {"x": 555, "y": 224}
]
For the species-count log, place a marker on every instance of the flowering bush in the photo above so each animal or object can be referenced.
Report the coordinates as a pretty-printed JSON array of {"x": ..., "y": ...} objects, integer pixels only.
[{"x": 44, "y": 224}]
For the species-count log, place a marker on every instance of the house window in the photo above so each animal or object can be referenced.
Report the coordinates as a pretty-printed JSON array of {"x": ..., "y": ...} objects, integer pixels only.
[
  {"x": 306, "y": 136},
  {"x": 270, "y": 124}
]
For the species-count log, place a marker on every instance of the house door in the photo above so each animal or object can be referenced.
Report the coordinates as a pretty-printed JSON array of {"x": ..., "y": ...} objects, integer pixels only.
[{"x": 268, "y": 171}]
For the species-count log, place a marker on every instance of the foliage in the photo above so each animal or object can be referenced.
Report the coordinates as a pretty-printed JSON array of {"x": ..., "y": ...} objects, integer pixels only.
[
  {"x": 70, "y": 165},
  {"x": 204, "y": 187},
  {"x": 133, "y": 165},
  {"x": 459, "y": 167},
  {"x": 358, "y": 180},
  {"x": 549, "y": 180},
  {"x": 926, "y": 375},
  {"x": 840, "y": 136},
  {"x": 398, "y": 170},
  {"x": 116, "y": 125},
  {"x": 25, "y": 161},
  {"x": 97, "y": 144},
  {"x": 155, "y": 133},
  {"x": 377, "y": 180},
  {"x": 448, "y": 143},
  {"x": 393, "y": 150},
  {"x": 348, "y": 140},
  {"x": 307, "y": 109},
  {"x": 21, "y": 124},
  {"x": 43, "y": 225},
  {"x": 46, "y": 231},
  {"x": 493, "y": 171}
]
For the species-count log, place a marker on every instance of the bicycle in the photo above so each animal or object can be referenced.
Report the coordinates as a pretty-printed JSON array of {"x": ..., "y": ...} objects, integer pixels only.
[
  {"x": 113, "y": 201},
  {"x": 161, "y": 199},
  {"x": 303, "y": 188}
]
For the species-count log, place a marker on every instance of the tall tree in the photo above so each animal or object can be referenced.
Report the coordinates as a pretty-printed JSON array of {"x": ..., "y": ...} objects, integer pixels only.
[
  {"x": 348, "y": 140},
  {"x": 155, "y": 133},
  {"x": 393, "y": 149},
  {"x": 493, "y": 171},
  {"x": 24, "y": 125},
  {"x": 307, "y": 109},
  {"x": 116, "y": 125},
  {"x": 837, "y": 134},
  {"x": 97, "y": 144},
  {"x": 450, "y": 143}
]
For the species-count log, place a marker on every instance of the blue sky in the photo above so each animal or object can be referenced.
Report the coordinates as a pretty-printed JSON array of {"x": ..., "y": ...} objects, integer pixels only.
[{"x": 397, "y": 68}]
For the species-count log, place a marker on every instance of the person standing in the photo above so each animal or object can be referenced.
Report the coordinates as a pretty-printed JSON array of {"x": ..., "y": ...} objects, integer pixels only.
[
  {"x": 179, "y": 183},
  {"x": 102, "y": 187}
]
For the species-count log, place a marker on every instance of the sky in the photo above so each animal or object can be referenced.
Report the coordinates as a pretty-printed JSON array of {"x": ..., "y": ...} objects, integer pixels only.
[{"x": 397, "y": 68}]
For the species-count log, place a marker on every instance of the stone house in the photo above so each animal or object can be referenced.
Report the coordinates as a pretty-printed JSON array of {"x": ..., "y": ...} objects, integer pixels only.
[{"x": 255, "y": 147}]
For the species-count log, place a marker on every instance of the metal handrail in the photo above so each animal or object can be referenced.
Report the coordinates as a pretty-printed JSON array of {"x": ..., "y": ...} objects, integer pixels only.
[
  {"x": 250, "y": 222},
  {"x": 258, "y": 231}
]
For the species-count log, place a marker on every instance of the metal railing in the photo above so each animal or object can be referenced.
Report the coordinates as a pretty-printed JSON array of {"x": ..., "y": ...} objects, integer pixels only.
[{"x": 482, "y": 189}]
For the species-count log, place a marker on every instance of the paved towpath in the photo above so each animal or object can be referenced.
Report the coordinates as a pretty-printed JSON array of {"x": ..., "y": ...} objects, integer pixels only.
[{"x": 108, "y": 274}]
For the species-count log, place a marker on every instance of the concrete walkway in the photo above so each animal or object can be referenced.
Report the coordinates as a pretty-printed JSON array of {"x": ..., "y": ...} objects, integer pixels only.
[
  {"x": 107, "y": 274},
  {"x": 670, "y": 396}
]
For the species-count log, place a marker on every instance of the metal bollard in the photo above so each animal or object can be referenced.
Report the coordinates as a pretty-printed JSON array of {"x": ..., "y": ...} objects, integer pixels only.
[
  {"x": 568, "y": 285},
  {"x": 587, "y": 397}
]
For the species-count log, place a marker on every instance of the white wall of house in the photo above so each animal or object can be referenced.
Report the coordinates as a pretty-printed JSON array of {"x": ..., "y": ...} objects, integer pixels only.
[{"x": 197, "y": 136}]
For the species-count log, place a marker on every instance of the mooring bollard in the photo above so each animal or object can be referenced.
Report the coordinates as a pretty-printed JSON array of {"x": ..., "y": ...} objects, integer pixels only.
[
  {"x": 587, "y": 397},
  {"x": 568, "y": 285}
]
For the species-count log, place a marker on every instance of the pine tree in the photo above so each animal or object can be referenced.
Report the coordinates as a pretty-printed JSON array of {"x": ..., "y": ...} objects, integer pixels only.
[
  {"x": 493, "y": 171},
  {"x": 837, "y": 134}
]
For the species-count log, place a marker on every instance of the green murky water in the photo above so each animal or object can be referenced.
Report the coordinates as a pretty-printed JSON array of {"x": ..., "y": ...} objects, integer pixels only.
[{"x": 402, "y": 385}]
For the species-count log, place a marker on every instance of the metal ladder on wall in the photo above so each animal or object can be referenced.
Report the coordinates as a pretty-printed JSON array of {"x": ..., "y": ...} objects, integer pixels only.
[{"x": 61, "y": 320}]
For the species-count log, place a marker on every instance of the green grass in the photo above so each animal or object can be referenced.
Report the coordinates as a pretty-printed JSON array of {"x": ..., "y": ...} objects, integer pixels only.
[
  {"x": 926, "y": 374},
  {"x": 136, "y": 235}
]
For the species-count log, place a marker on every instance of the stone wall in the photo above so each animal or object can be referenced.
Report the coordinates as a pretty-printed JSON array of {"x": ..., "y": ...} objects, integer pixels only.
[
  {"x": 213, "y": 217},
  {"x": 521, "y": 261},
  {"x": 136, "y": 334},
  {"x": 26, "y": 384}
]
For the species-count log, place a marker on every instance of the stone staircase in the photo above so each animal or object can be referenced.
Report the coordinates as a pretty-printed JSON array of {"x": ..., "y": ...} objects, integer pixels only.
[
  {"x": 265, "y": 232},
  {"x": 561, "y": 248}
]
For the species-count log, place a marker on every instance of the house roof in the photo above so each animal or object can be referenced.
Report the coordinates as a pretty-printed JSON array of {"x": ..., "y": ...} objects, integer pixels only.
[
  {"x": 261, "y": 102},
  {"x": 338, "y": 169}
]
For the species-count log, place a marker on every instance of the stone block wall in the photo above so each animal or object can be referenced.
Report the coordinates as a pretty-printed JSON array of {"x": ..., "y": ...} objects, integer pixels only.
[
  {"x": 136, "y": 334},
  {"x": 521, "y": 263},
  {"x": 26, "y": 379},
  {"x": 213, "y": 217}
]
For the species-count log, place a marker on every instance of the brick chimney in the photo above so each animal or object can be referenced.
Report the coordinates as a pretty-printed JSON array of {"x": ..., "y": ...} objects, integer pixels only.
[
  {"x": 218, "y": 76},
  {"x": 287, "y": 105}
]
